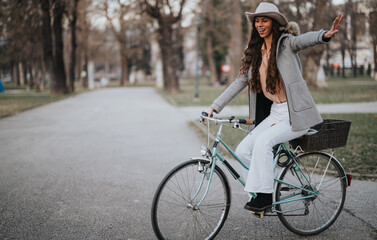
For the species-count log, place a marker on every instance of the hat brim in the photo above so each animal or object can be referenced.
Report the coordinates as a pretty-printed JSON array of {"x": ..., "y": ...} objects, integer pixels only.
[{"x": 280, "y": 18}]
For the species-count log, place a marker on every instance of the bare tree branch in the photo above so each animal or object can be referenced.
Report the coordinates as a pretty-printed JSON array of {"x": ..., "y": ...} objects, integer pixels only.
[
  {"x": 179, "y": 16},
  {"x": 152, "y": 11}
]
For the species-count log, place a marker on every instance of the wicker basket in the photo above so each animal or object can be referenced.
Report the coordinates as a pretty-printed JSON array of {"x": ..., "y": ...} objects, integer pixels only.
[{"x": 331, "y": 133}]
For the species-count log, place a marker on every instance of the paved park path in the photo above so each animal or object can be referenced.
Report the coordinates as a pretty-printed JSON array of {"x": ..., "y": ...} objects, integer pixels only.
[{"x": 87, "y": 167}]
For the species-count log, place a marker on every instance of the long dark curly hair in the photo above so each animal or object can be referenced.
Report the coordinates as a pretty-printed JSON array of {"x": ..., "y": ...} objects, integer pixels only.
[{"x": 253, "y": 59}]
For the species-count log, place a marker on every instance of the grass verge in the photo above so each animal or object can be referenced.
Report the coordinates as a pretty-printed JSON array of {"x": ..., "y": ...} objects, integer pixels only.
[
  {"x": 17, "y": 99},
  {"x": 339, "y": 90},
  {"x": 11, "y": 104},
  {"x": 359, "y": 156}
]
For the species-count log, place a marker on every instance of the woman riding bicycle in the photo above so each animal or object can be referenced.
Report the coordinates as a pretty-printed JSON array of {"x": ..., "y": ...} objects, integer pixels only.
[{"x": 279, "y": 99}]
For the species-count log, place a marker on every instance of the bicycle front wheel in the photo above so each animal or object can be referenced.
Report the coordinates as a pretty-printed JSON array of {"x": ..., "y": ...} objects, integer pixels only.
[
  {"x": 321, "y": 188},
  {"x": 174, "y": 215}
]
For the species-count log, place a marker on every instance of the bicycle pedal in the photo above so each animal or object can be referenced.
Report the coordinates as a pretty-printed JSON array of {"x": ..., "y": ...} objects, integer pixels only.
[{"x": 258, "y": 214}]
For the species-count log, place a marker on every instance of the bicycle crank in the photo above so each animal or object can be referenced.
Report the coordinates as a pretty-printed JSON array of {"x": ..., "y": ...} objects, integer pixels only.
[{"x": 258, "y": 214}]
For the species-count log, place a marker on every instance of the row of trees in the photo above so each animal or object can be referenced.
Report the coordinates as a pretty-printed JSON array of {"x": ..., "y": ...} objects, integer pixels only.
[
  {"x": 224, "y": 32},
  {"x": 354, "y": 30},
  {"x": 37, "y": 36},
  {"x": 57, "y": 38},
  {"x": 32, "y": 45}
]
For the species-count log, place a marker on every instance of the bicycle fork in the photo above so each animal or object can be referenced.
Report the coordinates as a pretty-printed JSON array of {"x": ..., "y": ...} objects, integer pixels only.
[
  {"x": 207, "y": 175},
  {"x": 212, "y": 164}
]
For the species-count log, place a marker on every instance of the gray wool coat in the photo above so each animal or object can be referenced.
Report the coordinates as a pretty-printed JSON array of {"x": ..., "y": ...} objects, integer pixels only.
[{"x": 302, "y": 110}]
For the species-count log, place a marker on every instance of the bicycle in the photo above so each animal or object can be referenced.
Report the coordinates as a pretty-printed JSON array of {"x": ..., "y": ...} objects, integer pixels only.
[{"x": 193, "y": 199}]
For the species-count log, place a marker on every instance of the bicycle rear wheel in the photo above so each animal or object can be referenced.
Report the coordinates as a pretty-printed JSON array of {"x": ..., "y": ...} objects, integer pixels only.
[
  {"x": 173, "y": 212},
  {"x": 318, "y": 211}
]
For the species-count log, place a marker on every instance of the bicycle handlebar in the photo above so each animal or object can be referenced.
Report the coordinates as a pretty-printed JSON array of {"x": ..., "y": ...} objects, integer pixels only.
[
  {"x": 230, "y": 120},
  {"x": 246, "y": 121},
  {"x": 241, "y": 121}
]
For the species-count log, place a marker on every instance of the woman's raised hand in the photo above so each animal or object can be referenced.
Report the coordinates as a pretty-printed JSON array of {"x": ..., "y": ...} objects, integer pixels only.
[{"x": 335, "y": 27}]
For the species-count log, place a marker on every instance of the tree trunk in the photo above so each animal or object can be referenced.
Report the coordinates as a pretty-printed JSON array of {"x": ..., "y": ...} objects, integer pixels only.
[
  {"x": 327, "y": 60},
  {"x": 210, "y": 28},
  {"x": 21, "y": 74},
  {"x": 53, "y": 56},
  {"x": 31, "y": 81},
  {"x": 166, "y": 22},
  {"x": 59, "y": 85},
  {"x": 86, "y": 69},
  {"x": 354, "y": 33},
  {"x": 375, "y": 60},
  {"x": 80, "y": 69},
  {"x": 314, "y": 54},
  {"x": 43, "y": 75},
  {"x": 14, "y": 74},
  {"x": 107, "y": 66},
  {"x": 354, "y": 63},
  {"x": 124, "y": 77},
  {"x": 343, "y": 51},
  {"x": 352, "y": 56},
  {"x": 72, "y": 67},
  {"x": 171, "y": 84},
  {"x": 26, "y": 71},
  {"x": 354, "y": 66},
  {"x": 2, "y": 73},
  {"x": 211, "y": 60},
  {"x": 235, "y": 48},
  {"x": 47, "y": 40},
  {"x": 36, "y": 76},
  {"x": 125, "y": 72},
  {"x": 312, "y": 65}
]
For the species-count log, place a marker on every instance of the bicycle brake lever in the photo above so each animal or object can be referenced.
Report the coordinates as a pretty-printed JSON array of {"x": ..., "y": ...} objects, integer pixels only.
[{"x": 202, "y": 120}]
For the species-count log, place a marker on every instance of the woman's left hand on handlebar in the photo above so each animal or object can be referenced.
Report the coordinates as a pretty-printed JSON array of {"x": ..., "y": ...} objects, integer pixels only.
[{"x": 210, "y": 112}]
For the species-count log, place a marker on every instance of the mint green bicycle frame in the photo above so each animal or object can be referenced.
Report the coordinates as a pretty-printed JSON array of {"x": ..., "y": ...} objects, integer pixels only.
[{"x": 216, "y": 155}]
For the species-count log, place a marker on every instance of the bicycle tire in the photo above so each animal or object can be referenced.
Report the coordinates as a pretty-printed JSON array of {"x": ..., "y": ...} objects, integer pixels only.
[
  {"x": 314, "y": 214},
  {"x": 172, "y": 216}
]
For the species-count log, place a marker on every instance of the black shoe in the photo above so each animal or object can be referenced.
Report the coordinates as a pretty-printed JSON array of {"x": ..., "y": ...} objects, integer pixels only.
[
  {"x": 248, "y": 204},
  {"x": 261, "y": 203}
]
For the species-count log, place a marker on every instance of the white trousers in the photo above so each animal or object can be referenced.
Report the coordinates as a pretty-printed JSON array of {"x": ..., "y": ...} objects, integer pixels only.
[{"x": 255, "y": 149}]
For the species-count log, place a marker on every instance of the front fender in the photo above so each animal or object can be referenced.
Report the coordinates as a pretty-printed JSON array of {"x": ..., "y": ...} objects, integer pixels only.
[{"x": 200, "y": 158}]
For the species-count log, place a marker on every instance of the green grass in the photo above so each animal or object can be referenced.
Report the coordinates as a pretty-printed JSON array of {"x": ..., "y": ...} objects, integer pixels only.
[
  {"x": 207, "y": 94},
  {"x": 15, "y": 101},
  {"x": 359, "y": 156},
  {"x": 346, "y": 90},
  {"x": 339, "y": 90}
]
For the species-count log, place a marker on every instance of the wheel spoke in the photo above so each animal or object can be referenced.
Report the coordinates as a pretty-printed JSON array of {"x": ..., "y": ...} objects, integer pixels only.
[{"x": 323, "y": 173}]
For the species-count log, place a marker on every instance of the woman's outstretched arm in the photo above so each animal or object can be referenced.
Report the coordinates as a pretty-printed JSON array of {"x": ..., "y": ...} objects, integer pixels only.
[{"x": 310, "y": 39}]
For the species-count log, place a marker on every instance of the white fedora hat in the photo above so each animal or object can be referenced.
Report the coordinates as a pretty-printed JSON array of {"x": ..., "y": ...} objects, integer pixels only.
[{"x": 267, "y": 10}]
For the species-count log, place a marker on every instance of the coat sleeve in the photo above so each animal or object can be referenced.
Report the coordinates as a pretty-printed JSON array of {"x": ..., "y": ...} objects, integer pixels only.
[
  {"x": 306, "y": 40},
  {"x": 234, "y": 88}
]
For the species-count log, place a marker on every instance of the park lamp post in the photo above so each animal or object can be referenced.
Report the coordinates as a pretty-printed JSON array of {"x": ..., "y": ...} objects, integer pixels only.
[{"x": 198, "y": 20}]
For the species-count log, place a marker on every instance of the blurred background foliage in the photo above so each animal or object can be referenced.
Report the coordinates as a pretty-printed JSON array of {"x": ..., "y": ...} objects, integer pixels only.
[{"x": 62, "y": 44}]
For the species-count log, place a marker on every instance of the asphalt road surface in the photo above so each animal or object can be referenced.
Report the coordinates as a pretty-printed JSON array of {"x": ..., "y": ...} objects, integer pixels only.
[{"x": 87, "y": 167}]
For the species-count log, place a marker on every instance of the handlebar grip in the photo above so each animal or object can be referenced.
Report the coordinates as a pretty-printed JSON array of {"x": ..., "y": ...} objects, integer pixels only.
[
  {"x": 204, "y": 114},
  {"x": 246, "y": 121}
]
